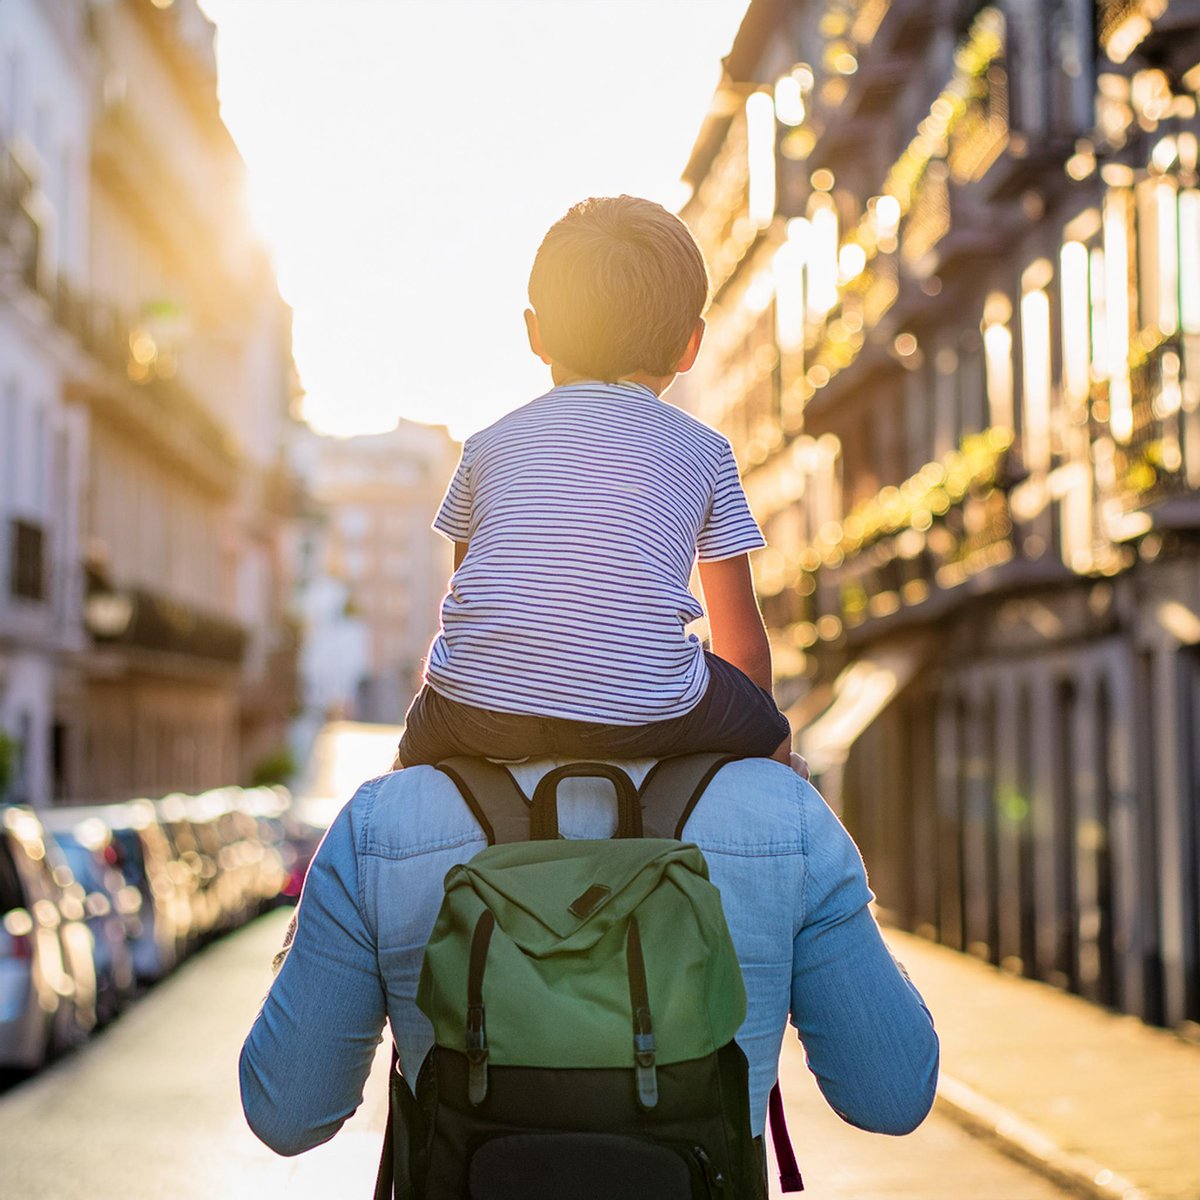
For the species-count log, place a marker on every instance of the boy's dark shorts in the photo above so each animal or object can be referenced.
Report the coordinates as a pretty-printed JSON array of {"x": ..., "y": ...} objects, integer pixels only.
[{"x": 734, "y": 716}]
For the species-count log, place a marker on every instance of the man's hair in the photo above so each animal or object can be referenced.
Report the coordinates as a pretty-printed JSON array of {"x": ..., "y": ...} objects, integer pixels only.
[{"x": 618, "y": 285}]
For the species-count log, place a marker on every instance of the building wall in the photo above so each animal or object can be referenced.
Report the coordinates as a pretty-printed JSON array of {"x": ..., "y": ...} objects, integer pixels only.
[
  {"x": 958, "y": 359},
  {"x": 379, "y": 495},
  {"x": 146, "y": 381},
  {"x": 148, "y": 527},
  {"x": 45, "y": 115}
]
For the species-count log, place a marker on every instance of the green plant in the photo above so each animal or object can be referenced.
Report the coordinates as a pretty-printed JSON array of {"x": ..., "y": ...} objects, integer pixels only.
[{"x": 277, "y": 767}]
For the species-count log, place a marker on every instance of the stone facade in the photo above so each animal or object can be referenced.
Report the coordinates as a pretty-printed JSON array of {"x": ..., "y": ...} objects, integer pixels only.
[
  {"x": 955, "y": 338},
  {"x": 146, "y": 381}
]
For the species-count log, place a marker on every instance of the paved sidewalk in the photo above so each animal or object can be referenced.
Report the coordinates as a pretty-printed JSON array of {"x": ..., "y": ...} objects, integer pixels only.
[{"x": 1099, "y": 1102}]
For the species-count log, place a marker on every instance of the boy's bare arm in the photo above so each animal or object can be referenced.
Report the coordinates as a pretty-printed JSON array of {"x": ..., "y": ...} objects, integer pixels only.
[
  {"x": 735, "y": 625},
  {"x": 460, "y": 552}
]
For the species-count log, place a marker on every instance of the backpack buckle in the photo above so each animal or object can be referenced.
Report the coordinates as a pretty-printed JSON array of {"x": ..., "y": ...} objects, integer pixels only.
[
  {"x": 644, "y": 1051},
  {"x": 477, "y": 1055}
]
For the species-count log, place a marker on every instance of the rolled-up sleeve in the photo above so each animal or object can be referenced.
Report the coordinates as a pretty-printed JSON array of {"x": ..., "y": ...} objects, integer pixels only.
[
  {"x": 867, "y": 1034},
  {"x": 307, "y": 1057}
]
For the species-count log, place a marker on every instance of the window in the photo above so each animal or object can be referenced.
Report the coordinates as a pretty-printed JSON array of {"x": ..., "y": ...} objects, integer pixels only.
[
  {"x": 27, "y": 570},
  {"x": 12, "y": 117},
  {"x": 10, "y": 412},
  {"x": 1037, "y": 377},
  {"x": 997, "y": 347}
]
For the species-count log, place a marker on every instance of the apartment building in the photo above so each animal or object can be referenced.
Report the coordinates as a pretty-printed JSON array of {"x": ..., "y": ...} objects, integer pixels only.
[
  {"x": 381, "y": 571},
  {"x": 172, "y": 380},
  {"x": 955, "y": 252},
  {"x": 47, "y": 95}
]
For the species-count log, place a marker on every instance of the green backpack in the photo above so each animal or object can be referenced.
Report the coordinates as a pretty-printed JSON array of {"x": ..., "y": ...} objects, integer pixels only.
[{"x": 584, "y": 997}]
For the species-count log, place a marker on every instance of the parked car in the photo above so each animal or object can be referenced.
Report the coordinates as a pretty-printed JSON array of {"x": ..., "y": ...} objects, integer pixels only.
[
  {"x": 112, "y": 905},
  {"x": 194, "y": 869},
  {"x": 47, "y": 972},
  {"x": 284, "y": 829},
  {"x": 264, "y": 853},
  {"x": 158, "y": 931}
]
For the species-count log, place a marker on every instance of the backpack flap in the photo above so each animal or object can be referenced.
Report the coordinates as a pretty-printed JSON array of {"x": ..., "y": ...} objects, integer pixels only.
[{"x": 558, "y": 955}]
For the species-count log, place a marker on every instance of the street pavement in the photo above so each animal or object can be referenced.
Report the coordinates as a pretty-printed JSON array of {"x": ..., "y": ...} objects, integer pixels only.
[
  {"x": 1093, "y": 1098},
  {"x": 149, "y": 1111}
]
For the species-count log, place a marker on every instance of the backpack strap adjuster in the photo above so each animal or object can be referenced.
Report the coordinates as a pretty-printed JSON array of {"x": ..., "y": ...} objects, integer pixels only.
[
  {"x": 477, "y": 1048},
  {"x": 477, "y": 1055},
  {"x": 644, "y": 1050}
]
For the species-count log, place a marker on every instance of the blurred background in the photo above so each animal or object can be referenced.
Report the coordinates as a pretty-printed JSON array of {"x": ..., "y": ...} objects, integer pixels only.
[{"x": 247, "y": 315}]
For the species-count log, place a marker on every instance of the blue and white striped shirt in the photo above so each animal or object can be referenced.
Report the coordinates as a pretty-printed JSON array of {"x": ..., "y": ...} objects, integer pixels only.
[{"x": 585, "y": 511}]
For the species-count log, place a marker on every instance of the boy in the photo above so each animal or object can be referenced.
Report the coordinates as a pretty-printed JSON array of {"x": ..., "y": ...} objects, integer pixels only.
[{"x": 576, "y": 520}]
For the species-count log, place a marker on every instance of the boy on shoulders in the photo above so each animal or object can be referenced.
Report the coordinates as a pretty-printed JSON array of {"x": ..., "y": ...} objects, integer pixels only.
[{"x": 577, "y": 520}]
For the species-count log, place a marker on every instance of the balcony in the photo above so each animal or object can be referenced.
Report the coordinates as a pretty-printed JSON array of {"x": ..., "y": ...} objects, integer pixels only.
[
  {"x": 163, "y": 409},
  {"x": 144, "y": 620},
  {"x": 1145, "y": 26},
  {"x": 899, "y": 550},
  {"x": 20, "y": 234},
  {"x": 1153, "y": 467}
]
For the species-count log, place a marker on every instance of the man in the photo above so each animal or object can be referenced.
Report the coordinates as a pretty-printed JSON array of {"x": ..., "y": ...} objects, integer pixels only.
[{"x": 795, "y": 896}]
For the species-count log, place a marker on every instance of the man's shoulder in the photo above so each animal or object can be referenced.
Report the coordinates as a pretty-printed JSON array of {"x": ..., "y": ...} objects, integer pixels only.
[
  {"x": 751, "y": 807},
  {"x": 754, "y": 806},
  {"x": 411, "y": 812}
]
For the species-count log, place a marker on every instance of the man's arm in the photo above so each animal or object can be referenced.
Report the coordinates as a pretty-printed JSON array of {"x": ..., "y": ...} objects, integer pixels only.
[
  {"x": 306, "y": 1060},
  {"x": 736, "y": 630},
  {"x": 867, "y": 1035},
  {"x": 460, "y": 552}
]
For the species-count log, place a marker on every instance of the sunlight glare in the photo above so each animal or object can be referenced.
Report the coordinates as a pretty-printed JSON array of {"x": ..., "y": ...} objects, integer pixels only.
[{"x": 405, "y": 160}]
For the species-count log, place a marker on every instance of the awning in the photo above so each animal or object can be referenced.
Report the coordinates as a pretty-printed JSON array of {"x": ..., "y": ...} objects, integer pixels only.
[{"x": 860, "y": 694}]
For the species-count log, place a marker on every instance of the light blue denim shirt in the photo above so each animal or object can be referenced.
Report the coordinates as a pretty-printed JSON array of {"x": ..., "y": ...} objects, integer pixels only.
[{"x": 795, "y": 896}]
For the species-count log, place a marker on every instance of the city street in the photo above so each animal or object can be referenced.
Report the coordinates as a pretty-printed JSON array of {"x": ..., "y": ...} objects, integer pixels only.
[
  {"x": 865, "y": 378},
  {"x": 150, "y": 1110}
]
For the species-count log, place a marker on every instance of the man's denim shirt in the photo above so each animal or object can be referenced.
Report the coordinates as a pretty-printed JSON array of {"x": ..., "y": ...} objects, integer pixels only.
[{"x": 795, "y": 895}]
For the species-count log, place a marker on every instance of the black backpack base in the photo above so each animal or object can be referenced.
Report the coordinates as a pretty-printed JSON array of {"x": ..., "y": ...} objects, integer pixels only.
[{"x": 581, "y": 1134}]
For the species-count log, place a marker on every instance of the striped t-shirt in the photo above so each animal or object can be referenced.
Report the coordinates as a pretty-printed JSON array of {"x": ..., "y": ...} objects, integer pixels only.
[{"x": 585, "y": 511}]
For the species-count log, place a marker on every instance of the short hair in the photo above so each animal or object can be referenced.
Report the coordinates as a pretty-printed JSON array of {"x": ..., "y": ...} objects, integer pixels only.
[{"x": 618, "y": 285}]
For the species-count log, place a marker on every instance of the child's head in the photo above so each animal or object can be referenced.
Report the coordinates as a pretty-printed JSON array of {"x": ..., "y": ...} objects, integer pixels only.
[{"x": 618, "y": 286}]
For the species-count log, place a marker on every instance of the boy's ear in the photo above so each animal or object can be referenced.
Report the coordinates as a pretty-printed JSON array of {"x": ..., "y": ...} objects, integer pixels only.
[
  {"x": 535, "y": 336},
  {"x": 693, "y": 349}
]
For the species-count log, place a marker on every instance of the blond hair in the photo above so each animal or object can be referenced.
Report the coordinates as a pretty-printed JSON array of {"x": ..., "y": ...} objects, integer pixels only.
[{"x": 618, "y": 286}]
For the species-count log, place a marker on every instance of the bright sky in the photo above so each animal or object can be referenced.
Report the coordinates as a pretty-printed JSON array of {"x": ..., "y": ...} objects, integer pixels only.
[{"x": 406, "y": 157}]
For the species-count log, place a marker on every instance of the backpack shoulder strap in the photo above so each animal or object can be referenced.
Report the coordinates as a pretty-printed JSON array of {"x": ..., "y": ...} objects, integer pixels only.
[
  {"x": 493, "y": 797},
  {"x": 672, "y": 788}
]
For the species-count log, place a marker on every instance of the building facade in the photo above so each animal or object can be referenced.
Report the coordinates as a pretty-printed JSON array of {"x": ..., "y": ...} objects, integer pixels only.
[
  {"x": 47, "y": 99},
  {"x": 955, "y": 338},
  {"x": 378, "y": 571},
  {"x": 166, "y": 405}
]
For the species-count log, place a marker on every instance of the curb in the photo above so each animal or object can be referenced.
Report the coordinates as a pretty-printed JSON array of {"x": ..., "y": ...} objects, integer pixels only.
[{"x": 1028, "y": 1145}]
